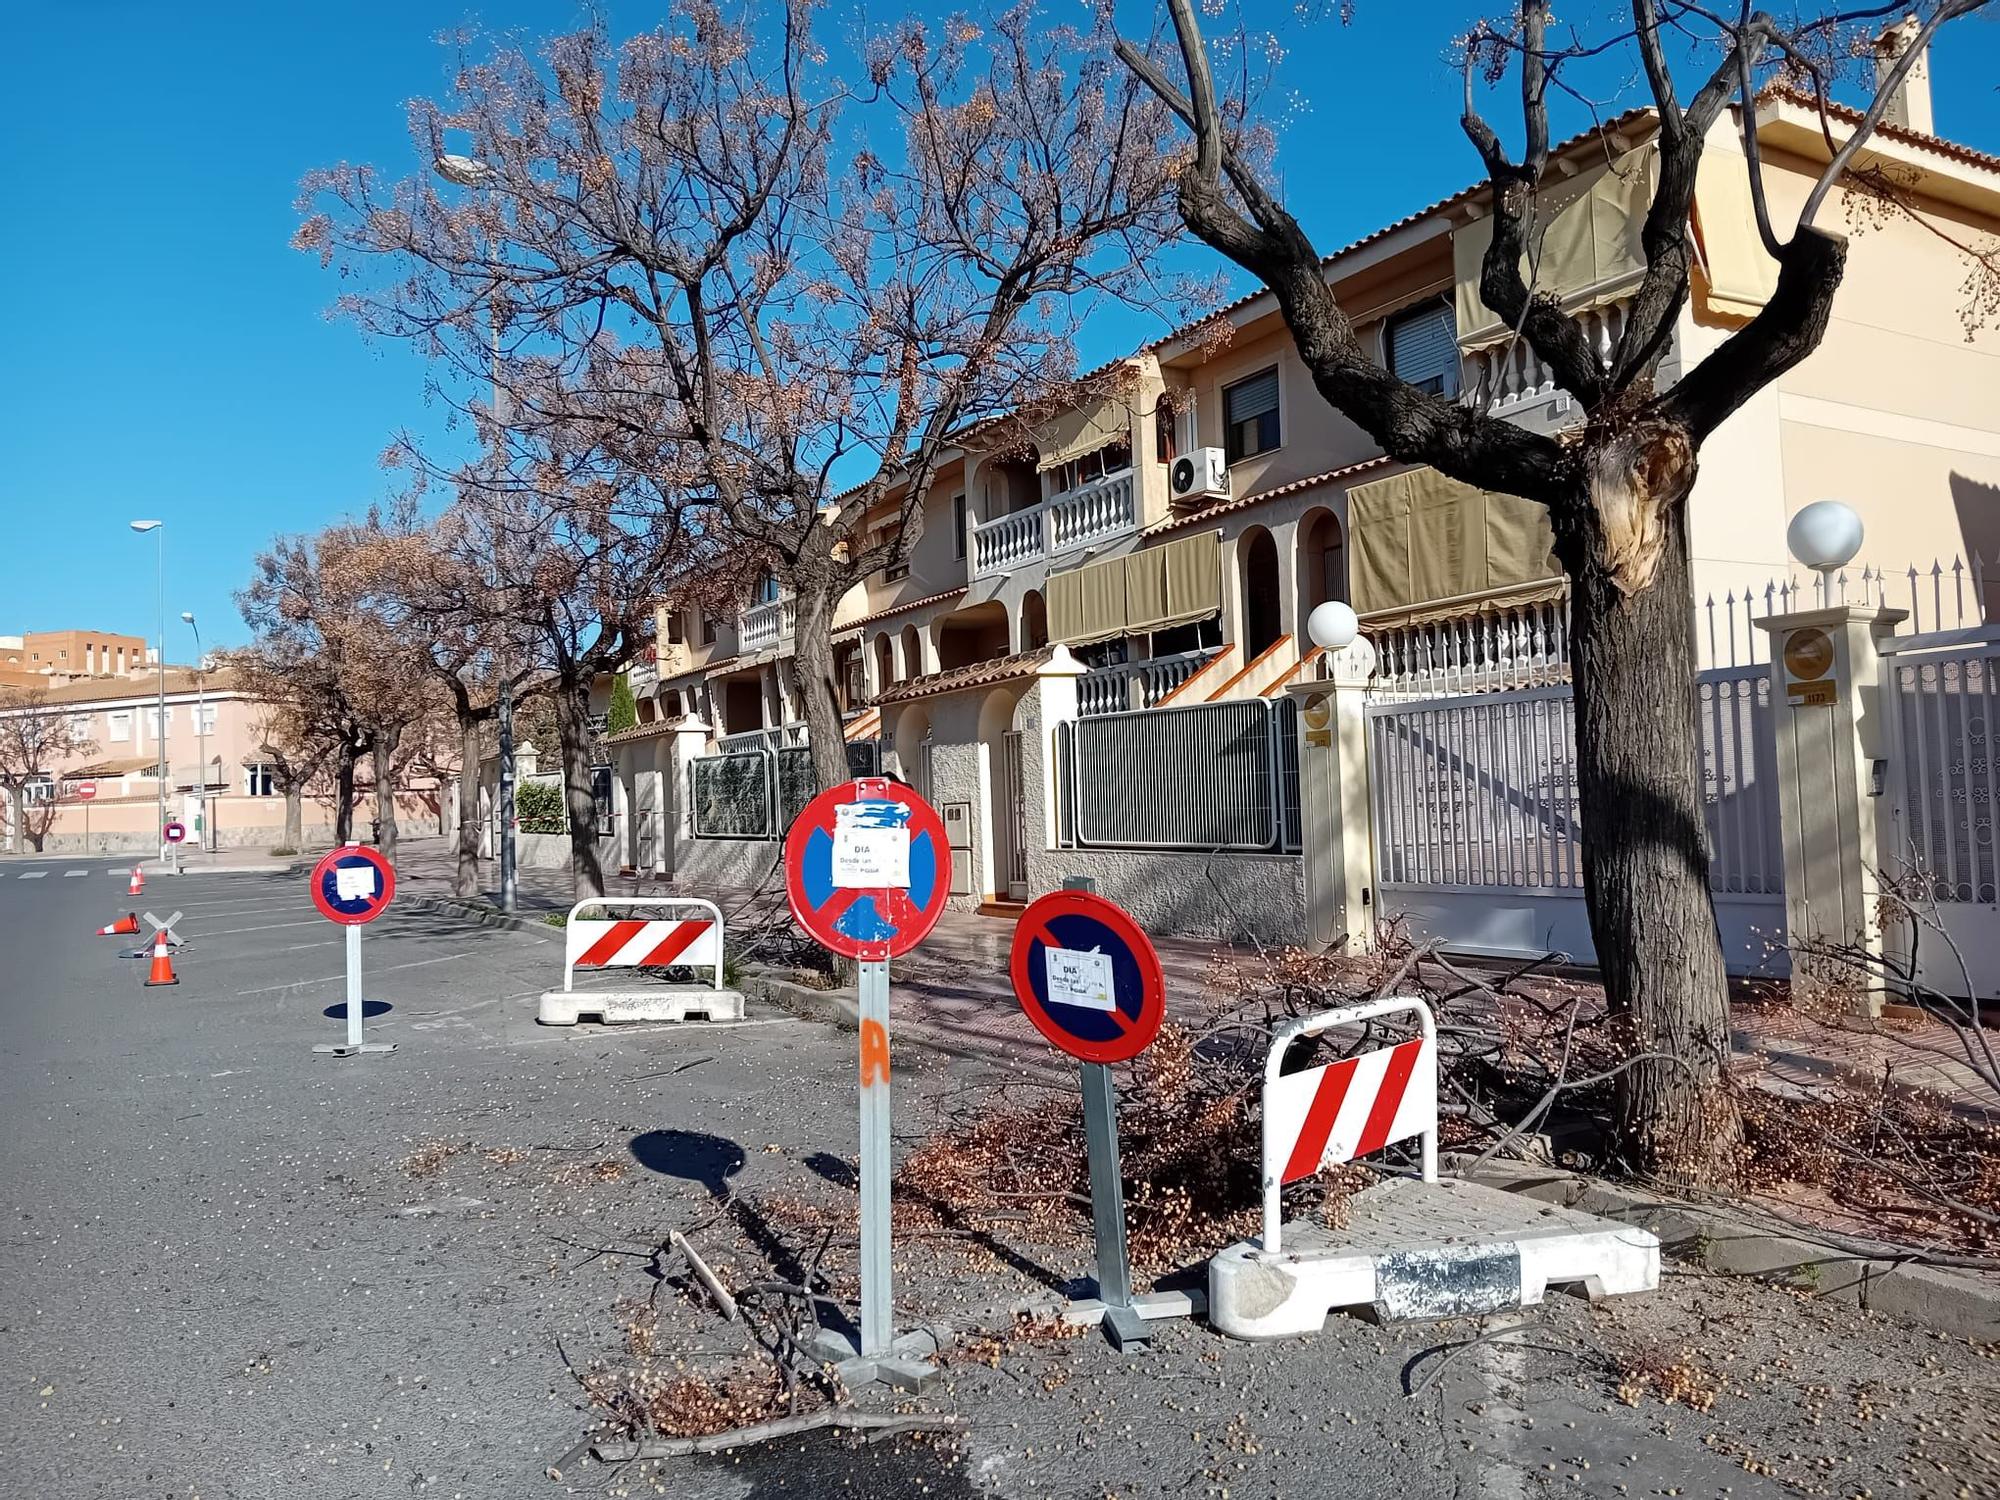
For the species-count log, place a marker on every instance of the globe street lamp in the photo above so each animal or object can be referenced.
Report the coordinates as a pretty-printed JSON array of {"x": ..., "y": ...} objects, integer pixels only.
[
  {"x": 158, "y": 528},
  {"x": 1825, "y": 536},
  {"x": 201, "y": 734}
]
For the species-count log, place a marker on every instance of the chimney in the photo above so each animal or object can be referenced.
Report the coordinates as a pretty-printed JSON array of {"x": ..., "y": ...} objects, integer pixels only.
[{"x": 1910, "y": 105}]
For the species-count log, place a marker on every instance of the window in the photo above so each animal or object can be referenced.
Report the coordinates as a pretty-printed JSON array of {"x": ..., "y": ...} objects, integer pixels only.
[
  {"x": 1164, "y": 447},
  {"x": 79, "y": 726},
  {"x": 120, "y": 725},
  {"x": 257, "y": 780},
  {"x": 204, "y": 719},
  {"x": 1423, "y": 348},
  {"x": 38, "y": 788},
  {"x": 707, "y": 628},
  {"x": 767, "y": 589},
  {"x": 676, "y": 629},
  {"x": 153, "y": 720},
  {"x": 958, "y": 525},
  {"x": 895, "y": 571},
  {"x": 1250, "y": 416}
]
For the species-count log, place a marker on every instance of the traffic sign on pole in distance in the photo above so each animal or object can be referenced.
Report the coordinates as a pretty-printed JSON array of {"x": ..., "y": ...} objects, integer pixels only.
[
  {"x": 1088, "y": 977},
  {"x": 174, "y": 832},
  {"x": 84, "y": 790},
  {"x": 352, "y": 885},
  {"x": 867, "y": 868}
]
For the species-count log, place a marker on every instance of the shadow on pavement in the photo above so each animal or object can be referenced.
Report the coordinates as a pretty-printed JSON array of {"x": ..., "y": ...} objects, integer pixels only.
[{"x": 370, "y": 1009}]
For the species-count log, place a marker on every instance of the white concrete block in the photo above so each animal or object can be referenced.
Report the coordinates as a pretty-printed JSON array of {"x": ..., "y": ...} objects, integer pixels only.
[
  {"x": 1425, "y": 1250},
  {"x": 658, "y": 1002}
]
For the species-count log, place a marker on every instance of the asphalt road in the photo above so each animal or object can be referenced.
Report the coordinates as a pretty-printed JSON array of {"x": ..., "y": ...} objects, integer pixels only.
[{"x": 234, "y": 1268}]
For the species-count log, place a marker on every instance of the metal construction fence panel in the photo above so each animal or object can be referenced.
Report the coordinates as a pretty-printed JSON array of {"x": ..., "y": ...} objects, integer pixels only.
[
  {"x": 755, "y": 792},
  {"x": 1218, "y": 776},
  {"x": 1945, "y": 706},
  {"x": 1480, "y": 790}
]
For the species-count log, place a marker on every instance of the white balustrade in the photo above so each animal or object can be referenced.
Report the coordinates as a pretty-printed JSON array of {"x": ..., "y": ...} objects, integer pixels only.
[
  {"x": 763, "y": 626},
  {"x": 1095, "y": 512},
  {"x": 1510, "y": 374}
]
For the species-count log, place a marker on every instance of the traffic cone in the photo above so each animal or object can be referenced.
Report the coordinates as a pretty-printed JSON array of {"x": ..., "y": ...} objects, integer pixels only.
[
  {"x": 162, "y": 971},
  {"x": 137, "y": 885},
  {"x": 127, "y": 923}
]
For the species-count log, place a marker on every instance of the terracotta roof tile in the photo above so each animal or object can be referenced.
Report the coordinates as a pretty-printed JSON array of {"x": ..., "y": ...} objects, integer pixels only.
[
  {"x": 898, "y": 609},
  {"x": 958, "y": 679},
  {"x": 652, "y": 731}
]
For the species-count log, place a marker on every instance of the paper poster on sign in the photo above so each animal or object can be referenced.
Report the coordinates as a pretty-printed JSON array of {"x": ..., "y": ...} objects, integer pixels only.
[
  {"x": 354, "y": 882},
  {"x": 871, "y": 846},
  {"x": 1080, "y": 979}
]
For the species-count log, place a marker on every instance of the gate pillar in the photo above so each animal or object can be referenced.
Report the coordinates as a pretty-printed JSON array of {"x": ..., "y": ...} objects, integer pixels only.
[
  {"x": 1334, "y": 810},
  {"x": 1831, "y": 717}
]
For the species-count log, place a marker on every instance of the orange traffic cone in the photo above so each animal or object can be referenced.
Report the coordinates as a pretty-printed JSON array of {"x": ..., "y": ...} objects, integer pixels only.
[
  {"x": 127, "y": 923},
  {"x": 137, "y": 886},
  {"x": 162, "y": 971}
]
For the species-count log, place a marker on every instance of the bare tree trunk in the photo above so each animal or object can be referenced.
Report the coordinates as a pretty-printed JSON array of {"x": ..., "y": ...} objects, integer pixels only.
[
  {"x": 1645, "y": 860},
  {"x": 295, "y": 818},
  {"x": 385, "y": 793},
  {"x": 343, "y": 793},
  {"x": 812, "y": 681},
  {"x": 465, "y": 877},
  {"x": 572, "y": 703}
]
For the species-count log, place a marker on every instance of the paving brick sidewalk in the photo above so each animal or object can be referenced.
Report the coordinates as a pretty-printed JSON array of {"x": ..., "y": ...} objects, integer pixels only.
[{"x": 954, "y": 993}]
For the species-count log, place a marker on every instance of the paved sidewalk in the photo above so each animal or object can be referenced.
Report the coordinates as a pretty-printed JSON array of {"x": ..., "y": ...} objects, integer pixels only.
[{"x": 954, "y": 992}]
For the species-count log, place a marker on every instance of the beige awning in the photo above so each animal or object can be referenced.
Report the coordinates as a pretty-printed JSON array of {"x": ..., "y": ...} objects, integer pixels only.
[
  {"x": 1419, "y": 537},
  {"x": 1155, "y": 588},
  {"x": 1591, "y": 250},
  {"x": 1739, "y": 276},
  {"x": 1087, "y": 604},
  {"x": 1082, "y": 430}
]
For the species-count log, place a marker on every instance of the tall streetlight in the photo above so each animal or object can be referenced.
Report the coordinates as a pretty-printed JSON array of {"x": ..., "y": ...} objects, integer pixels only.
[
  {"x": 471, "y": 172},
  {"x": 158, "y": 528},
  {"x": 201, "y": 735}
]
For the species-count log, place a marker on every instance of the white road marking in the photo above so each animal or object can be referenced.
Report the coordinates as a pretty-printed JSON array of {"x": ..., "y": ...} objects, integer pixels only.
[
  {"x": 73, "y": 874},
  {"x": 33, "y": 874},
  {"x": 299, "y": 984},
  {"x": 267, "y": 927}
]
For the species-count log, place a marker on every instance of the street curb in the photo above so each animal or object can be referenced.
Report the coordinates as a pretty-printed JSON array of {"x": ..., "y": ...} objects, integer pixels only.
[
  {"x": 1950, "y": 1302},
  {"x": 832, "y": 1007},
  {"x": 483, "y": 916}
]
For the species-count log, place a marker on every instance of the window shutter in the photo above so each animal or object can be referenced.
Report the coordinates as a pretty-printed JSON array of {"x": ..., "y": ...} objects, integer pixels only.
[
  {"x": 1424, "y": 346},
  {"x": 1251, "y": 398}
]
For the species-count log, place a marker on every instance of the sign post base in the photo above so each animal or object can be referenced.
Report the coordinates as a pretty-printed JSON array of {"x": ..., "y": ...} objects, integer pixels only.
[
  {"x": 349, "y": 1049},
  {"x": 905, "y": 1366}
]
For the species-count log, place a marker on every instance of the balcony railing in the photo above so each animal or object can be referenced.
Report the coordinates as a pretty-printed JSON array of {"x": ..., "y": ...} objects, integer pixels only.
[
  {"x": 765, "y": 626},
  {"x": 1505, "y": 376},
  {"x": 1135, "y": 684},
  {"x": 1095, "y": 512}
]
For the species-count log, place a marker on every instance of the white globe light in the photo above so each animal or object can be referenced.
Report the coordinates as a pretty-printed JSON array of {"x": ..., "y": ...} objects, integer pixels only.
[
  {"x": 1824, "y": 535},
  {"x": 1332, "y": 626}
]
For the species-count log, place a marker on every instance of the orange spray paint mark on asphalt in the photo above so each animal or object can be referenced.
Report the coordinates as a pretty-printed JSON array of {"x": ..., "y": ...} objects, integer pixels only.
[{"x": 874, "y": 1053}]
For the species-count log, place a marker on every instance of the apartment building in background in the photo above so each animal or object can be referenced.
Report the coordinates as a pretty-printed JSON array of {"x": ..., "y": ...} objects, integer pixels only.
[
  {"x": 1175, "y": 532},
  {"x": 47, "y": 656}
]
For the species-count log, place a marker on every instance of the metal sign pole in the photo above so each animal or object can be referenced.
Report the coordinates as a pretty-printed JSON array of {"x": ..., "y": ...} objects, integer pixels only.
[
  {"x": 1107, "y": 1192},
  {"x": 877, "y": 1312},
  {"x": 354, "y": 988}
]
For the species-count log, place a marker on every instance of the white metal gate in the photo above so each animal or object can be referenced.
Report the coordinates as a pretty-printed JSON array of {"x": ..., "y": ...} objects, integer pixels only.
[
  {"x": 1476, "y": 823},
  {"x": 1943, "y": 696}
]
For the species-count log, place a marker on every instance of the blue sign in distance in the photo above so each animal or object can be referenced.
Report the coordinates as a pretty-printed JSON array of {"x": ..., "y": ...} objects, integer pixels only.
[
  {"x": 353, "y": 884},
  {"x": 1086, "y": 974}
]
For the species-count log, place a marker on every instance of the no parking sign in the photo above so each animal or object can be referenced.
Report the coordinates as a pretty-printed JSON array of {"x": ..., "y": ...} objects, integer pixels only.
[
  {"x": 1088, "y": 977},
  {"x": 352, "y": 885}
]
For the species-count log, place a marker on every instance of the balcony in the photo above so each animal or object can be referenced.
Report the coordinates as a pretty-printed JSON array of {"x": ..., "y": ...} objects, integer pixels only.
[
  {"x": 1100, "y": 511},
  {"x": 1136, "y": 684},
  {"x": 1509, "y": 376},
  {"x": 765, "y": 627}
]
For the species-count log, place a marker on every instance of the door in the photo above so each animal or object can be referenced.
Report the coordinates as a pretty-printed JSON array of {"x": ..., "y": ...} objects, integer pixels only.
[{"x": 1013, "y": 858}]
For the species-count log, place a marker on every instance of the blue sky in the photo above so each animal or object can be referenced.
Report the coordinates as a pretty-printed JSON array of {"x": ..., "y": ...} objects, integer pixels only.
[{"x": 167, "y": 354}]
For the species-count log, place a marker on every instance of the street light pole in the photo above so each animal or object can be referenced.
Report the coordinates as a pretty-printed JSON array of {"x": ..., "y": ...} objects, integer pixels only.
[
  {"x": 201, "y": 736},
  {"x": 471, "y": 172},
  {"x": 158, "y": 528}
]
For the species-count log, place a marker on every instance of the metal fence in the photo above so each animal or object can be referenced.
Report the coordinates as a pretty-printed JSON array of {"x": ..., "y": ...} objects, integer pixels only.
[
  {"x": 1479, "y": 791},
  {"x": 1945, "y": 707},
  {"x": 756, "y": 792},
  {"x": 1215, "y": 776}
]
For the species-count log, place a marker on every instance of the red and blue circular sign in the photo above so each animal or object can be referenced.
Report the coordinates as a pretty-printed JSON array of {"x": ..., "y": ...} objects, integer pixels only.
[
  {"x": 353, "y": 884},
  {"x": 867, "y": 868},
  {"x": 1087, "y": 976},
  {"x": 174, "y": 832}
]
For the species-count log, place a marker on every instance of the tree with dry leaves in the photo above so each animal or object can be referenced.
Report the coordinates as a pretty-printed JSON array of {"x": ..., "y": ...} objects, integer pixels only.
[
  {"x": 1615, "y": 487},
  {"x": 36, "y": 737},
  {"x": 684, "y": 280}
]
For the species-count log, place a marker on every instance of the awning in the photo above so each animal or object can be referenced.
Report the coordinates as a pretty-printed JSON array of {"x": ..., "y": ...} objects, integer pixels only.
[
  {"x": 1419, "y": 538},
  {"x": 1591, "y": 250},
  {"x": 1545, "y": 591},
  {"x": 1155, "y": 588},
  {"x": 1738, "y": 274},
  {"x": 1082, "y": 430}
]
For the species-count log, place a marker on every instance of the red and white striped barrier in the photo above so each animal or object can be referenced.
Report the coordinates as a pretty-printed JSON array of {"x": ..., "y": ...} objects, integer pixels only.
[
  {"x": 1353, "y": 1107},
  {"x": 690, "y": 937}
]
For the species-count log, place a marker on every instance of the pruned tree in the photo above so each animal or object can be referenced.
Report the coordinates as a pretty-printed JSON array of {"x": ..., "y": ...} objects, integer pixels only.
[
  {"x": 677, "y": 273},
  {"x": 36, "y": 737},
  {"x": 1615, "y": 486}
]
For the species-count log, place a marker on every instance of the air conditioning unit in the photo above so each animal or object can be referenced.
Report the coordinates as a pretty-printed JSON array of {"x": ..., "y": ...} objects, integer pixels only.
[{"x": 1197, "y": 477}]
